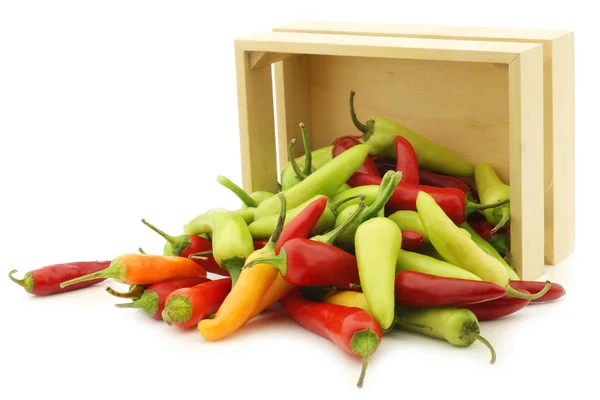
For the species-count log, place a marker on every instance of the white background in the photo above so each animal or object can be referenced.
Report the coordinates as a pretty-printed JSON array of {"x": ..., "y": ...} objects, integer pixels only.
[{"x": 111, "y": 111}]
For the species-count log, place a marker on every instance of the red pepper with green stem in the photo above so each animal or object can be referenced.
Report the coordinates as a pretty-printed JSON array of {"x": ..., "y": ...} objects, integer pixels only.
[
  {"x": 416, "y": 289},
  {"x": 406, "y": 161},
  {"x": 153, "y": 300},
  {"x": 46, "y": 280},
  {"x": 185, "y": 245},
  {"x": 497, "y": 308},
  {"x": 352, "y": 329},
  {"x": 453, "y": 201},
  {"x": 315, "y": 261},
  {"x": 185, "y": 307},
  {"x": 343, "y": 143},
  {"x": 556, "y": 291}
]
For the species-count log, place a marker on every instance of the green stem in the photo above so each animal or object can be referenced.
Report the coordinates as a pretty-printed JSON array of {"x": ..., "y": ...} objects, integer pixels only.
[
  {"x": 270, "y": 246},
  {"x": 142, "y": 251},
  {"x": 307, "y": 151},
  {"x": 168, "y": 238},
  {"x": 135, "y": 292},
  {"x": 26, "y": 282},
  {"x": 471, "y": 207},
  {"x": 293, "y": 162},
  {"x": 116, "y": 270},
  {"x": 502, "y": 222},
  {"x": 278, "y": 261},
  {"x": 199, "y": 255},
  {"x": 364, "y": 343},
  {"x": 511, "y": 292},
  {"x": 487, "y": 344},
  {"x": 383, "y": 195},
  {"x": 364, "y": 128},
  {"x": 148, "y": 303},
  {"x": 234, "y": 267},
  {"x": 337, "y": 204},
  {"x": 334, "y": 234},
  {"x": 363, "y": 371},
  {"x": 179, "y": 309},
  {"x": 238, "y": 191}
]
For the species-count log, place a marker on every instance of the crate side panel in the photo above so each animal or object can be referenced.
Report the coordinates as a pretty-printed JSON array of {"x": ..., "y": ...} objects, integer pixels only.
[{"x": 463, "y": 106}]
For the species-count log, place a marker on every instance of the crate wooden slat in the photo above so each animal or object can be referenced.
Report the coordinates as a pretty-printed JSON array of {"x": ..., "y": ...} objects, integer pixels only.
[
  {"x": 559, "y": 144},
  {"x": 483, "y": 100}
]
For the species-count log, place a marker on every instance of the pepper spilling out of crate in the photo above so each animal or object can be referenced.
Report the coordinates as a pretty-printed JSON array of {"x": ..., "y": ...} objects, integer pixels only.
[{"x": 376, "y": 232}]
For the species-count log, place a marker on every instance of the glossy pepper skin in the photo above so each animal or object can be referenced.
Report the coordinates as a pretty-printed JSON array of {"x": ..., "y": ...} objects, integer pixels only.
[
  {"x": 380, "y": 133},
  {"x": 350, "y": 328},
  {"x": 406, "y": 161},
  {"x": 185, "y": 307},
  {"x": 430, "y": 178},
  {"x": 498, "y": 308},
  {"x": 411, "y": 240},
  {"x": 46, "y": 280},
  {"x": 344, "y": 143},
  {"x": 377, "y": 243},
  {"x": 153, "y": 300},
  {"x": 186, "y": 245},
  {"x": 411, "y": 261},
  {"x": 415, "y": 289},
  {"x": 325, "y": 181}
]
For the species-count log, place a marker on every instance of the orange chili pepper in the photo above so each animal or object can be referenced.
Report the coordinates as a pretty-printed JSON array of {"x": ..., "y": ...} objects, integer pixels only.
[
  {"x": 248, "y": 292},
  {"x": 278, "y": 290},
  {"x": 145, "y": 269}
]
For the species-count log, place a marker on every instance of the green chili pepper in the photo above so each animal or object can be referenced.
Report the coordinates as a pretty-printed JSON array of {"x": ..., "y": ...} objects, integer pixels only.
[
  {"x": 410, "y": 221},
  {"x": 264, "y": 227},
  {"x": 377, "y": 243},
  {"x": 411, "y": 261},
  {"x": 369, "y": 191},
  {"x": 320, "y": 157},
  {"x": 380, "y": 133},
  {"x": 458, "y": 327},
  {"x": 231, "y": 240},
  {"x": 250, "y": 200},
  {"x": 458, "y": 249},
  {"x": 488, "y": 248},
  {"x": 389, "y": 183},
  {"x": 492, "y": 190},
  {"x": 324, "y": 181}
]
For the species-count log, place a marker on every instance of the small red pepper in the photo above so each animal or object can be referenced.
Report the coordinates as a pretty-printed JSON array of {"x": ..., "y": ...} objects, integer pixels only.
[
  {"x": 556, "y": 291},
  {"x": 46, "y": 280},
  {"x": 185, "y": 307},
  {"x": 186, "y": 245},
  {"x": 342, "y": 144},
  {"x": 500, "y": 239},
  {"x": 302, "y": 224},
  {"x": 416, "y": 289},
  {"x": 443, "y": 181},
  {"x": 498, "y": 308},
  {"x": 153, "y": 300},
  {"x": 411, "y": 240},
  {"x": 453, "y": 201},
  {"x": 351, "y": 328},
  {"x": 406, "y": 161}
]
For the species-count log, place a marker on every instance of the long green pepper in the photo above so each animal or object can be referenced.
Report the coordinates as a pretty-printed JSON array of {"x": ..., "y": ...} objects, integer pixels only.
[
  {"x": 492, "y": 190},
  {"x": 231, "y": 239}
]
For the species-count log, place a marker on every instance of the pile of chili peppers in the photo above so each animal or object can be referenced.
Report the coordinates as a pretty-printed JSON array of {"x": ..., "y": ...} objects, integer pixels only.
[{"x": 376, "y": 232}]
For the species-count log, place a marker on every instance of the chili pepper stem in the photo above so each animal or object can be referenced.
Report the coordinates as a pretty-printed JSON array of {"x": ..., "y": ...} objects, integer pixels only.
[
  {"x": 337, "y": 204},
  {"x": 293, "y": 162},
  {"x": 366, "y": 129},
  {"x": 364, "y": 343},
  {"x": 198, "y": 256},
  {"x": 487, "y": 344},
  {"x": 233, "y": 266},
  {"x": 26, "y": 282},
  {"x": 238, "y": 191},
  {"x": 278, "y": 261},
  {"x": 502, "y": 222},
  {"x": 307, "y": 150},
  {"x": 134, "y": 292},
  {"x": 334, "y": 234},
  {"x": 116, "y": 270},
  {"x": 386, "y": 190},
  {"x": 471, "y": 207},
  {"x": 511, "y": 292},
  {"x": 178, "y": 309},
  {"x": 168, "y": 238},
  {"x": 148, "y": 303},
  {"x": 142, "y": 251}
]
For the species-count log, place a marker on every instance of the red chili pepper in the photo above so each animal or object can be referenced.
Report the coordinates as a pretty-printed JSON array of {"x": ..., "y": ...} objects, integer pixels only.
[
  {"x": 351, "y": 328},
  {"x": 416, "y": 289},
  {"x": 153, "y": 300},
  {"x": 500, "y": 239},
  {"x": 453, "y": 201},
  {"x": 498, "y": 308},
  {"x": 186, "y": 307},
  {"x": 406, "y": 161},
  {"x": 556, "y": 291},
  {"x": 46, "y": 280},
  {"x": 342, "y": 144},
  {"x": 444, "y": 181},
  {"x": 306, "y": 262},
  {"x": 411, "y": 240},
  {"x": 186, "y": 245},
  {"x": 302, "y": 224}
]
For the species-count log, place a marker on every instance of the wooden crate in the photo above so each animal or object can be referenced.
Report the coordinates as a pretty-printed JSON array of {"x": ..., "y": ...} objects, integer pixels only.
[
  {"x": 481, "y": 99},
  {"x": 559, "y": 146}
]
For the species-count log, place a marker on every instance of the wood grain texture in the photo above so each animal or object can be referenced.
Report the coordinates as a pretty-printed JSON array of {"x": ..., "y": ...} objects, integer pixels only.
[
  {"x": 292, "y": 94},
  {"x": 527, "y": 163},
  {"x": 257, "y": 124}
]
